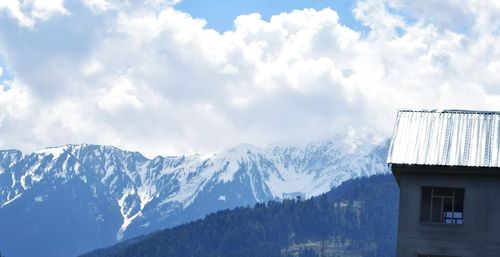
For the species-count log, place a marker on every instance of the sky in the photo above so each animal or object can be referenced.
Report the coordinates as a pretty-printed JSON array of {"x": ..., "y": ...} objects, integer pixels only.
[{"x": 170, "y": 77}]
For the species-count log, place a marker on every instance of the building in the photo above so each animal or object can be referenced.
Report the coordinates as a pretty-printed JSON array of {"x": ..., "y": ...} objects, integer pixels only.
[{"x": 447, "y": 165}]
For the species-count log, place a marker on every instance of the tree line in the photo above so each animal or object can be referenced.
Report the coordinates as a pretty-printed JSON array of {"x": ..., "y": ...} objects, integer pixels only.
[{"x": 357, "y": 214}]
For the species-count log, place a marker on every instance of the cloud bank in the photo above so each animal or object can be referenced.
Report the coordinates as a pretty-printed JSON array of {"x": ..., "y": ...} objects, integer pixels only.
[{"x": 147, "y": 77}]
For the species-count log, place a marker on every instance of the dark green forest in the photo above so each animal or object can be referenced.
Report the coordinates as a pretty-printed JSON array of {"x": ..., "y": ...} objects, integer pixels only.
[{"x": 358, "y": 218}]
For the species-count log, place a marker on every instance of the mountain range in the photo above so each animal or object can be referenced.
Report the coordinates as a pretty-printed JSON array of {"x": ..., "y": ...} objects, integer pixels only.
[
  {"x": 63, "y": 201},
  {"x": 356, "y": 219}
]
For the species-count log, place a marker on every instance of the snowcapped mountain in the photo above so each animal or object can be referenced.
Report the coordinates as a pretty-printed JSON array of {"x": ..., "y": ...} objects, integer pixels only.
[{"x": 70, "y": 199}]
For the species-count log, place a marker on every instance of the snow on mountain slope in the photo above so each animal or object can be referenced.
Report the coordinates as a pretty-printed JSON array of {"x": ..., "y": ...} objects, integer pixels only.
[{"x": 115, "y": 194}]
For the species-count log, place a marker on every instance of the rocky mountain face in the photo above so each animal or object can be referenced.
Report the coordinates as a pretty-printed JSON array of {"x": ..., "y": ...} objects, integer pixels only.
[{"x": 66, "y": 200}]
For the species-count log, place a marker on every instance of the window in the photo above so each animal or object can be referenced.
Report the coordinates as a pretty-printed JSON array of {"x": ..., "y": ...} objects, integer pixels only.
[{"x": 442, "y": 205}]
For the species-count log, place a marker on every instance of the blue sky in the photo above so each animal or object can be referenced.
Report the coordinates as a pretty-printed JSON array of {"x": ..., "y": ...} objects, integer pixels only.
[
  {"x": 5, "y": 75},
  {"x": 220, "y": 14},
  {"x": 151, "y": 76}
]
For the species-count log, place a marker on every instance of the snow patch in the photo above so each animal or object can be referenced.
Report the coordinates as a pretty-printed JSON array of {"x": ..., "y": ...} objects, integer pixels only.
[
  {"x": 205, "y": 157},
  {"x": 125, "y": 224},
  {"x": 54, "y": 151},
  {"x": 229, "y": 170},
  {"x": 13, "y": 180},
  {"x": 125, "y": 212},
  {"x": 11, "y": 200}
]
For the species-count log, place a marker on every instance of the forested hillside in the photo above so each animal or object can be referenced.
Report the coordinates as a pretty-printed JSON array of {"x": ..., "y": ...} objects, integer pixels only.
[{"x": 358, "y": 218}]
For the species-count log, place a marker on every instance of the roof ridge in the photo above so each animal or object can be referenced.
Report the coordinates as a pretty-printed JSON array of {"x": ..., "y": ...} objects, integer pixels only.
[{"x": 449, "y": 111}]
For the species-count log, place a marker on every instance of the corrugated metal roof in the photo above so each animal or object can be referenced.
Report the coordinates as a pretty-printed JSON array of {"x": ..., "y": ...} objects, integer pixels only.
[{"x": 446, "y": 137}]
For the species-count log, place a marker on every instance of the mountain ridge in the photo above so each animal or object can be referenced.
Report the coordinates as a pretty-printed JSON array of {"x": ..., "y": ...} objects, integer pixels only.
[
  {"x": 357, "y": 218},
  {"x": 129, "y": 194}
]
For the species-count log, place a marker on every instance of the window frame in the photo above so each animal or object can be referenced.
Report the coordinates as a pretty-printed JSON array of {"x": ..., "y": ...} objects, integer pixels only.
[{"x": 433, "y": 196}]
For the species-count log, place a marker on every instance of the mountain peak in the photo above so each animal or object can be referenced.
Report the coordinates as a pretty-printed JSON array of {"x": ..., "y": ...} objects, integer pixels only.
[
  {"x": 128, "y": 194},
  {"x": 241, "y": 150},
  {"x": 54, "y": 151},
  {"x": 244, "y": 147}
]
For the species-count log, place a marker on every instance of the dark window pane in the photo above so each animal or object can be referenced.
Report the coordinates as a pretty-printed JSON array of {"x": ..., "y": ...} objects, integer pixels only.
[
  {"x": 443, "y": 191},
  {"x": 436, "y": 209},
  {"x": 425, "y": 206},
  {"x": 459, "y": 199},
  {"x": 447, "y": 204}
]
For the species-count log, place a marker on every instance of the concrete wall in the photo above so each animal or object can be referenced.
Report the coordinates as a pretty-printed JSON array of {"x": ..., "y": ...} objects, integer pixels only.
[{"x": 478, "y": 236}]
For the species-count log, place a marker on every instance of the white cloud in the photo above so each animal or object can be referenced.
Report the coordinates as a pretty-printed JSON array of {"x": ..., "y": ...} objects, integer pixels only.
[
  {"x": 16, "y": 112},
  {"x": 97, "y": 5},
  {"x": 120, "y": 94},
  {"x": 44, "y": 9},
  {"x": 162, "y": 83},
  {"x": 28, "y": 12}
]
